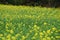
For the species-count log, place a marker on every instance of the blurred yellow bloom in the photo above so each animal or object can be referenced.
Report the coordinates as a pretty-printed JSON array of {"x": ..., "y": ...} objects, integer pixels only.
[
  {"x": 53, "y": 28},
  {"x": 23, "y": 37},
  {"x": 7, "y": 30},
  {"x": 57, "y": 36},
  {"x": 48, "y": 31},
  {"x": 36, "y": 34},
  {"x": 33, "y": 37},
  {"x": 3, "y": 38},
  {"x": 17, "y": 35},
  {"x": 11, "y": 31},
  {"x": 13, "y": 38},
  {"x": 31, "y": 31},
  {"x": 41, "y": 36},
  {"x": 48, "y": 38},
  {"x": 44, "y": 39},
  {"x": 8, "y": 36},
  {"x": 1, "y": 22},
  {"x": 35, "y": 26},
  {"x": 8, "y": 39},
  {"x": 44, "y": 32},
  {"x": 41, "y": 33},
  {"x": 7, "y": 25},
  {"x": 1, "y": 35},
  {"x": 45, "y": 23},
  {"x": 52, "y": 37}
]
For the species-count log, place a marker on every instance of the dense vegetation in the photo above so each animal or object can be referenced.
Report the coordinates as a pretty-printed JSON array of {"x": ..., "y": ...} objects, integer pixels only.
[
  {"x": 47, "y": 3},
  {"x": 29, "y": 23}
]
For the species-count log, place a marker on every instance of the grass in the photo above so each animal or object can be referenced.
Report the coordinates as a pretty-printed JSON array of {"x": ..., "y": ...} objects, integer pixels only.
[{"x": 29, "y": 23}]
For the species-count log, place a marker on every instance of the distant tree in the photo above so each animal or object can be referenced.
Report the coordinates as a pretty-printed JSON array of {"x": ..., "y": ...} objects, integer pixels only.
[
  {"x": 48, "y": 3},
  {"x": 3, "y": 1}
]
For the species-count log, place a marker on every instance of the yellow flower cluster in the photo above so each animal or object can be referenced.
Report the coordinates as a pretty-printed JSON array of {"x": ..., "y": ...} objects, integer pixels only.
[{"x": 29, "y": 23}]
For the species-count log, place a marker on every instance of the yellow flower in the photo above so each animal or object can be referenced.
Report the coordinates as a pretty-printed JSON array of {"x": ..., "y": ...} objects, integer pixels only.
[
  {"x": 41, "y": 36},
  {"x": 3, "y": 38},
  {"x": 44, "y": 39},
  {"x": 13, "y": 38},
  {"x": 33, "y": 37},
  {"x": 53, "y": 28},
  {"x": 36, "y": 34},
  {"x": 44, "y": 32},
  {"x": 57, "y": 36},
  {"x": 11, "y": 31},
  {"x": 57, "y": 30},
  {"x": 17, "y": 35},
  {"x": 7, "y": 30},
  {"x": 31, "y": 31},
  {"x": 48, "y": 38},
  {"x": 35, "y": 26},
  {"x": 45, "y": 23},
  {"x": 41, "y": 33},
  {"x": 7, "y": 25},
  {"x": 1, "y": 22},
  {"x": 1, "y": 35},
  {"x": 8, "y": 39},
  {"x": 23, "y": 37},
  {"x": 48, "y": 31},
  {"x": 8, "y": 36},
  {"x": 52, "y": 37}
]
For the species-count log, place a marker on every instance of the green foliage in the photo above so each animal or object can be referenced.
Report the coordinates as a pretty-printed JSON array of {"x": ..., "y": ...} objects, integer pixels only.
[{"x": 29, "y": 23}]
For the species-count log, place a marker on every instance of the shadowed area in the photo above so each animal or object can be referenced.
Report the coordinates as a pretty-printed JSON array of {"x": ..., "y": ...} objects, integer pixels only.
[{"x": 43, "y": 3}]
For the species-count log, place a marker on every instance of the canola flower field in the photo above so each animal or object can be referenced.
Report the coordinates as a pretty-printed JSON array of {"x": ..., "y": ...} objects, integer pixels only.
[{"x": 29, "y": 23}]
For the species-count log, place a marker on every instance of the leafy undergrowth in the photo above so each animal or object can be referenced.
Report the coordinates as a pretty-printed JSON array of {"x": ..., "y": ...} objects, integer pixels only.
[{"x": 29, "y": 23}]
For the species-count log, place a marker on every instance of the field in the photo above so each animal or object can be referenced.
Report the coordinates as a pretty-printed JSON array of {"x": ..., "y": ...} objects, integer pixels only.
[{"x": 29, "y": 23}]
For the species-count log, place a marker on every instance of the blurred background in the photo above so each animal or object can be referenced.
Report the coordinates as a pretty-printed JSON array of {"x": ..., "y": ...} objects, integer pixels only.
[{"x": 43, "y": 3}]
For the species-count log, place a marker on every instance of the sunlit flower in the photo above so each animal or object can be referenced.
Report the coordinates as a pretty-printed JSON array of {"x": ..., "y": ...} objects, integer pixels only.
[
  {"x": 1, "y": 35},
  {"x": 35, "y": 26},
  {"x": 17, "y": 35},
  {"x": 48, "y": 31},
  {"x": 53, "y": 28},
  {"x": 33, "y": 37},
  {"x": 44, "y": 39},
  {"x": 8, "y": 36},
  {"x": 13, "y": 38},
  {"x": 41, "y": 33},
  {"x": 31, "y": 31},
  {"x": 48, "y": 38},
  {"x": 23, "y": 37},
  {"x": 7, "y": 25},
  {"x": 36, "y": 34},
  {"x": 3, "y": 38},
  {"x": 11, "y": 31},
  {"x": 57, "y": 36},
  {"x": 45, "y": 23}
]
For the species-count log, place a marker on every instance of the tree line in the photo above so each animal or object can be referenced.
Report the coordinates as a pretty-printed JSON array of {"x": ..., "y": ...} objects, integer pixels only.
[{"x": 47, "y": 3}]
